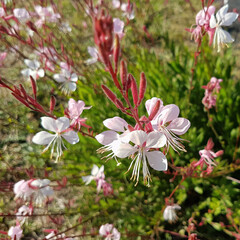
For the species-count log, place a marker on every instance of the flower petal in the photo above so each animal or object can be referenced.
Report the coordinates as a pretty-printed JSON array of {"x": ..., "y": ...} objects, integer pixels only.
[
  {"x": 107, "y": 137},
  {"x": 138, "y": 137},
  {"x": 155, "y": 140},
  {"x": 43, "y": 138},
  {"x": 157, "y": 160},
  {"x": 74, "y": 77},
  {"x": 229, "y": 18},
  {"x": 221, "y": 13},
  {"x": 116, "y": 123},
  {"x": 168, "y": 113},
  {"x": 40, "y": 73},
  {"x": 71, "y": 86},
  {"x": 179, "y": 126},
  {"x": 213, "y": 22},
  {"x": 95, "y": 170},
  {"x": 87, "y": 179},
  {"x": 59, "y": 78},
  {"x": 122, "y": 150},
  {"x": 71, "y": 137},
  {"x": 62, "y": 124},
  {"x": 49, "y": 123}
]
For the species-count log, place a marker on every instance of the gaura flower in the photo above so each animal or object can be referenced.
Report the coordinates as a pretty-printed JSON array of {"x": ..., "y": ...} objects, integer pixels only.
[
  {"x": 93, "y": 52},
  {"x": 169, "y": 213},
  {"x": 23, "y": 212},
  {"x": 61, "y": 129},
  {"x": 118, "y": 27},
  {"x": 22, "y": 189},
  {"x": 142, "y": 153},
  {"x": 211, "y": 88},
  {"x": 208, "y": 156},
  {"x": 46, "y": 14},
  {"x": 96, "y": 174},
  {"x": 222, "y": 37},
  {"x": 128, "y": 10},
  {"x": 42, "y": 190},
  {"x": 68, "y": 80},
  {"x": 167, "y": 122},
  {"x": 33, "y": 69},
  {"x": 111, "y": 137},
  {"x": 74, "y": 111},
  {"x": 15, "y": 232},
  {"x": 109, "y": 232},
  {"x": 21, "y": 14},
  {"x": 116, "y": 3},
  {"x": 202, "y": 22}
]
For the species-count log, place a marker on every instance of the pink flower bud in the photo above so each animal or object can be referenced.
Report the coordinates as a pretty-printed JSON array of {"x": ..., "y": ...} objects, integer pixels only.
[
  {"x": 134, "y": 89},
  {"x": 142, "y": 87}
]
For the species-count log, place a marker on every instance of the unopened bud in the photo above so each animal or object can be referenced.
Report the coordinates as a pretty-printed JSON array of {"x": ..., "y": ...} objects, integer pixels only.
[
  {"x": 142, "y": 87},
  {"x": 134, "y": 89},
  {"x": 155, "y": 110},
  {"x": 52, "y": 103},
  {"x": 123, "y": 74},
  {"x": 111, "y": 96}
]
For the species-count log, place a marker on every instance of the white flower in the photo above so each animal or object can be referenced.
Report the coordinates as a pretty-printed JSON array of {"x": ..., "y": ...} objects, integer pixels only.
[
  {"x": 60, "y": 127},
  {"x": 95, "y": 174},
  {"x": 67, "y": 79},
  {"x": 109, "y": 232},
  {"x": 33, "y": 69},
  {"x": 222, "y": 37},
  {"x": 21, "y": 14},
  {"x": 169, "y": 213},
  {"x": 42, "y": 190},
  {"x": 143, "y": 144},
  {"x": 93, "y": 52},
  {"x": 15, "y": 232},
  {"x": 65, "y": 27},
  {"x": 22, "y": 212}
]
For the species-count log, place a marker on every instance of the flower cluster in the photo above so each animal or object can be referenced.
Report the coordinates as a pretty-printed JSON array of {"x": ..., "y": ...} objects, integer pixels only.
[
  {"x": 142, "y": 145},
  {"x": 109, "y": 232},
  {"x": 207, "y": 22},
  {"x": 211, "y": 88},
  {"x": 34, "y": 189}
]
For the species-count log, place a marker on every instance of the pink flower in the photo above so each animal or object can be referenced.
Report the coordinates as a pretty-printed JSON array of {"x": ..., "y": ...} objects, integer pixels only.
[
  {"x": 203, "y": 24},
  {"x": 2, "y": 12},
  {"x": 46, "y": 14},
  {"x": 118, "y": 27},
  {"x": 74, "y": 111},
  {"x": 107, "y": 188},
  {"x": 116, "y": 3},
  {"x": 3, "y": 55},
  {"x": 207, "y": 156},
  {"x": 109, "y": 232},
  {"x": 166, "y": 121},
  {"x": 211, "y": 88},
  {"x": 22, "y": 189},
  {"x": 15, "y": 232}
]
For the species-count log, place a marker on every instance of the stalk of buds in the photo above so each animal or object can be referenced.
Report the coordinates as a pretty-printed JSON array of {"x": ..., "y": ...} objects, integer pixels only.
[{"x": 103, "y": 35}]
